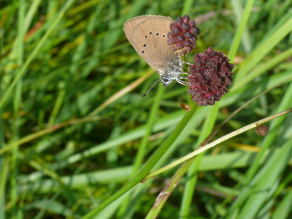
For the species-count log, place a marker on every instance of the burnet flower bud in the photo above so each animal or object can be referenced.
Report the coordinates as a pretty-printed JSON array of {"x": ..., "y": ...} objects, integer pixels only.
[{"x": 182, "y": 36}]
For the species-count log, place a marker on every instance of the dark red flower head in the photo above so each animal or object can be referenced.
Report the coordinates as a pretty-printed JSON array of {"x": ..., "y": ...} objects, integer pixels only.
[
  {"x": 182, "y": 36},
  {"x": 209, "y": 77}
]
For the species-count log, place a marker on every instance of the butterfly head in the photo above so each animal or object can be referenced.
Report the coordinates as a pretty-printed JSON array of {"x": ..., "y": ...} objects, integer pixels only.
[{"x": 165, "y": 80}]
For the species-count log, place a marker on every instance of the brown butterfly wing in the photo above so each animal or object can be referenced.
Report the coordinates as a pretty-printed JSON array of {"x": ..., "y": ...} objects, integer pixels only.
[{"x": 148, "y": 36}]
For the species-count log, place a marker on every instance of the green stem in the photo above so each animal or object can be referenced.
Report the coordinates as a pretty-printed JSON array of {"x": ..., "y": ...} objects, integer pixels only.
[
  {"x": 147, "y": 168},
  {"x": 185, "y": 69},
  {"x": 187, "y": 7},
  {"x": 193, "y": 171},
  {"x": 16, "y": 106},
  {"x": 214, "y": 143},
  {"x": 3, "y": 179}
]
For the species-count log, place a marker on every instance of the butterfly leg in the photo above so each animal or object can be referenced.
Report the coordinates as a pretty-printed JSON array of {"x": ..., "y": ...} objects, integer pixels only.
[
  {"x": 183, "y": 76},
  {"x": 181, "y": 80},
  {"x": 186, "y": 63}
]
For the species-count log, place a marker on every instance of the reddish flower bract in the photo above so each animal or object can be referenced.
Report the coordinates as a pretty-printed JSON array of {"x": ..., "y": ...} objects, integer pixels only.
[
  {"x": 182, "y": 36},
  {"x": 210, "y": 77}
]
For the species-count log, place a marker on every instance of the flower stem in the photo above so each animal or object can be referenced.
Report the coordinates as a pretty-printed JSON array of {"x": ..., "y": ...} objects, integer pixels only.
[
  {"x": 214, "y": 143},
  {"x": 150, "y": 164}
]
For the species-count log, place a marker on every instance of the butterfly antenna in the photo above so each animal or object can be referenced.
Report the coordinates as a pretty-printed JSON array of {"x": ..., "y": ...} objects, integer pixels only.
[{"x": 151, "y": 88}]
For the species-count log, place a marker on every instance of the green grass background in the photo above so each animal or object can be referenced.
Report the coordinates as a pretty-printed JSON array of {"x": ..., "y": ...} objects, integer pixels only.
[{"x": 75, "y": 127}]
